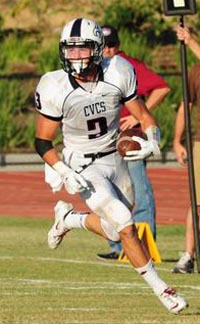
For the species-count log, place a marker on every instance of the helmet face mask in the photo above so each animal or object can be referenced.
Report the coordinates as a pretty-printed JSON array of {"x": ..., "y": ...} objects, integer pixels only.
[
  {"x": 85, "y": 37},
  {"x": 77, "y": 57}
]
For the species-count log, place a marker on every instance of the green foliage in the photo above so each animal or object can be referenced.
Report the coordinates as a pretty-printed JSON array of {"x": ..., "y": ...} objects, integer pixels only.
[
  {"x": 15, "y": 49},
  {"x": 166, "y": 112},
  {"x": 135, "y": 46},
  {"x": 17, "y": 115},
  {"x": 49, "y": 57},
  {"x": 142, "y": 27},
  {"x": 38, "y": 8},
  {"x": 16, "y": 128},
  {"x": 191, "y": 58},
  {"x": 1, "y": 21},
  {"x": 136, "y": 16}
]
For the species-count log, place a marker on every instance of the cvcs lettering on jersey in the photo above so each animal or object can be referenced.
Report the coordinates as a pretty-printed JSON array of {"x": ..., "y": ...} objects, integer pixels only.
[{"x": 93, "y": 109}]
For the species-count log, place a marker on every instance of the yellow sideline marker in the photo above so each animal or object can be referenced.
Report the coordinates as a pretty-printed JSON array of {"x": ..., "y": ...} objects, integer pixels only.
[{"x": 146, "y": 236}]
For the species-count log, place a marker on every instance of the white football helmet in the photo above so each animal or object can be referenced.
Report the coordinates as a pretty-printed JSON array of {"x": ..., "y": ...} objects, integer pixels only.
[{"x": 81, "y": 32}]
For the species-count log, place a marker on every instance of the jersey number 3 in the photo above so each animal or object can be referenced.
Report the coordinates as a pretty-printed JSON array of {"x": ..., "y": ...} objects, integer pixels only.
[
  {"x": 97, "y": 127},
  {"x": 37, "y": 100}
]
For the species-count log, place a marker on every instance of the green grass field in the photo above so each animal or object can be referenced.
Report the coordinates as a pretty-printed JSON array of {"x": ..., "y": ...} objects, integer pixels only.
[{"x": 70, "y": 285}]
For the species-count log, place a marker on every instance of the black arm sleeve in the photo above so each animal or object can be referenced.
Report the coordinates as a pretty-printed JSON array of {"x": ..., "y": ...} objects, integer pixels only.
[{"x": 42, "y": 146}]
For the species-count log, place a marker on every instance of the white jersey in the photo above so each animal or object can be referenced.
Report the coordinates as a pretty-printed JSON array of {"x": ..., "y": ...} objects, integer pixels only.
[{"x": 90, "y": 120}]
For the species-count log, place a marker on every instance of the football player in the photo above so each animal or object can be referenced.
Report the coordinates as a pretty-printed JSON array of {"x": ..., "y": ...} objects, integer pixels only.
[{"x": 85, "y": 98}]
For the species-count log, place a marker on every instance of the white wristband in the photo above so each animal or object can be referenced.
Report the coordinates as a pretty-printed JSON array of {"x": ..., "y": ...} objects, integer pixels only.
[
  {"x": 153, "y": 133},
  {"x": 61, "y": 168}
]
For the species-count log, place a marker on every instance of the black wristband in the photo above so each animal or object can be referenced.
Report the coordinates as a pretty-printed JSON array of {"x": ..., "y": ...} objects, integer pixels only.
[{"x": 42, "y": 146}]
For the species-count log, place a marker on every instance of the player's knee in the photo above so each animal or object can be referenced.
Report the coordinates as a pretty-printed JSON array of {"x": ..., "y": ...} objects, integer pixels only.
[
  {"x": 128, "y": 232},
  {"x": 114, "y": 236},
  {"x": 118, "y": 215},
  {"x": 110, "y": 231}
]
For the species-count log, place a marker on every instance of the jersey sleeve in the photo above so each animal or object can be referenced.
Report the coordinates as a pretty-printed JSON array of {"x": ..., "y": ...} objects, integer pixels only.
[
  {"x": 47, "y": 98},
  {"x": 128, "y": 80}
]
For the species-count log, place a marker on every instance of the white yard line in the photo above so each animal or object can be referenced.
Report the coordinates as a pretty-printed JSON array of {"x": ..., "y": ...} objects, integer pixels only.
[{"x": 89, "y": 285}]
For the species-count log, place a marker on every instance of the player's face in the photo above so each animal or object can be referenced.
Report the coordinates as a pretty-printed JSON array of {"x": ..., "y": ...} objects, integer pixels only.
[
  {"x": 77, "y": 52},
  {"x": 110, "y": 51},
  {"x": 79, "y": 57}
]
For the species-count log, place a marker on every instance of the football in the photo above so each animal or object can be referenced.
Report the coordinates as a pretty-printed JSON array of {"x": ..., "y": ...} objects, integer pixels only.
[{"x": 125, "y": 142}]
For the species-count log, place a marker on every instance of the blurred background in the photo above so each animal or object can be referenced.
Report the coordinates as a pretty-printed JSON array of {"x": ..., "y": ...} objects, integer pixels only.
[{"x": 29, "y": 36}]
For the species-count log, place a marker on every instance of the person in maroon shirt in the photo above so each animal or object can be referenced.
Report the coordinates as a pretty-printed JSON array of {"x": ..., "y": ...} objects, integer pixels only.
[{"x": 152, "y": 88}]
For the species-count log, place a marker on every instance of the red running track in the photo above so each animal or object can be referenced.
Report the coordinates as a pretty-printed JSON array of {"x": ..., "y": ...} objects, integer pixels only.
[{"x": 25, "y": 194}]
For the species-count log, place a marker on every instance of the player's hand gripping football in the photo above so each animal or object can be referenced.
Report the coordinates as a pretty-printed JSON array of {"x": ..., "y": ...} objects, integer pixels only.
[
  {"x": 148, "y": 147},
  {"x": 73, "y": 181}
]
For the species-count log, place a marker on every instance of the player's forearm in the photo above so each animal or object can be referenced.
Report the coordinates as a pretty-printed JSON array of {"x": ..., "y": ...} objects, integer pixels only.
[
  {"x": 147, "y": 123},
  {"x": 156, "y": 97},
  {"x": 146, "y": 118},
  {"x": 138, "y": 110},
  {"x": 51, "y": 157},
  {"x": 46, "y": 150},
  {"x": 45, "y": 133}
]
